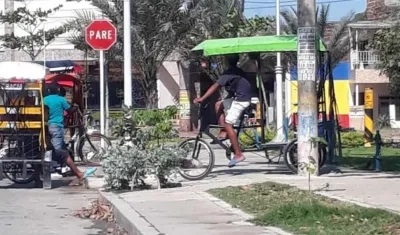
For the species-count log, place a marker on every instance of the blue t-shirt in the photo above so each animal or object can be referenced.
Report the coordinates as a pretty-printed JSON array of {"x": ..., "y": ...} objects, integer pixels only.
[{"x": 57, "y": 105}]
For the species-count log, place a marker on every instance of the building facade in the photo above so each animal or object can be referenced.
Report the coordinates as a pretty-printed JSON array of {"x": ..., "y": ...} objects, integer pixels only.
[{"x": 364, "y": 73}]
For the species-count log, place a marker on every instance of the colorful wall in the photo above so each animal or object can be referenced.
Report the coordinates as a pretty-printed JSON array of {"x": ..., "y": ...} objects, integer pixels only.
[{"x": 341, "y": 75}]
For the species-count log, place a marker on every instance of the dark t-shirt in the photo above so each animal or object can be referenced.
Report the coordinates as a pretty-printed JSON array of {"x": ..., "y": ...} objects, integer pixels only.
[{"x": 235, "y": 83}]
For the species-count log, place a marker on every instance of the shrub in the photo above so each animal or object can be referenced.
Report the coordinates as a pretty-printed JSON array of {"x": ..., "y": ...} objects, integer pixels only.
[
  {"x": 128, "y": 164},
  {"x": 352, "y": 139},
  {"x": 247, "y": 137},
  {"x": 159, "y": 121}
]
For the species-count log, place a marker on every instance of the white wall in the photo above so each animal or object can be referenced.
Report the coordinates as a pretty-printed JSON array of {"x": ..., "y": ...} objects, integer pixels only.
[{"x": 168, "y": 84}]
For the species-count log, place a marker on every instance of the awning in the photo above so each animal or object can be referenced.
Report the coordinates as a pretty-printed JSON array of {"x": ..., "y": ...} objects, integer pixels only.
[
  {"x": 60, "y": 65},
  {"x": 22, "y": 70},
  {"x": 284, "y": 43}
]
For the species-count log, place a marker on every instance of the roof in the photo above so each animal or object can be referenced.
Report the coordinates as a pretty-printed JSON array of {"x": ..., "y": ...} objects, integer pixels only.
[
  {"x": 21, "y": 70},
  {"x": 372, "y": 24},
  {"x": 249, "y": 44}
]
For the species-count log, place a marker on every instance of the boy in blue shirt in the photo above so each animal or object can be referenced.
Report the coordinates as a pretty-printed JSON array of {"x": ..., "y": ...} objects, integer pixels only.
[{"x": 57, "y": 105}]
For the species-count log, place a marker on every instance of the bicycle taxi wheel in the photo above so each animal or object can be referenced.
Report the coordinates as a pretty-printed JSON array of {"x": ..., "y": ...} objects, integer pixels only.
[
  {"x": 193, "y": 167},
  {"x": 89, "y": 147},
  {"x": 290, "y": 156}
]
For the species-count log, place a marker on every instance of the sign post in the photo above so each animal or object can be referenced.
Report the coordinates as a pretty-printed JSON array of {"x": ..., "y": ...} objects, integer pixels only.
[
  {"x": 368, "y": 116},
  {"x": 101, "y": 35}
]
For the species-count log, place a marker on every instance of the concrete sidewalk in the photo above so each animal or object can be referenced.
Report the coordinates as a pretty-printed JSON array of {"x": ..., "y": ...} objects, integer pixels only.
[{"x": 190, "y": 209}]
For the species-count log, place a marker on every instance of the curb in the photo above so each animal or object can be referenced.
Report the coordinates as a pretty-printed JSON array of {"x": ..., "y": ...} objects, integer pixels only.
[
  {"x": 127, "y": 217},
  {"x": 362, "y": 204}
]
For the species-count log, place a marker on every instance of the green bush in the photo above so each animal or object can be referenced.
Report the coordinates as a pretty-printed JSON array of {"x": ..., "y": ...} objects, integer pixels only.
[
  {"x": 247, "y": 137},
  {"x": 157, "y": 122},
  {"x": 151, "y": 117},
  {"x": 352, "y": 139}
]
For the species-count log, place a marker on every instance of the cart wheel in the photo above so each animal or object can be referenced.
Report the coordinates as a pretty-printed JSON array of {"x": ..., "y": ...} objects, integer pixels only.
[
  {"x": 31, "y": 175},
  {"x": 192, "y": 161},
  {"x": 89, "y": 147},
  {"x": 290, "y": 156}
]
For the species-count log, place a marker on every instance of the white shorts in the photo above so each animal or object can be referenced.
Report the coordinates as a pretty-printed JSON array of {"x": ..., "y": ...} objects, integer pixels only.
[{"x": 235, "y": 111}]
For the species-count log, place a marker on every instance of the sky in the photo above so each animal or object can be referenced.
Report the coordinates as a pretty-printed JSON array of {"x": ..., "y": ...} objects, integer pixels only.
[{"x": 338, "y": 8}]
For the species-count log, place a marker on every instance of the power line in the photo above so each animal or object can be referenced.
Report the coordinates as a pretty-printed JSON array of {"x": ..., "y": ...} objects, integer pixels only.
[{"x": 294, "y": 3}]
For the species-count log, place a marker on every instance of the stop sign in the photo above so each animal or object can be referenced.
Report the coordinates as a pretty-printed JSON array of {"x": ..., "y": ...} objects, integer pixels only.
[{"x": 101, "y": 35}]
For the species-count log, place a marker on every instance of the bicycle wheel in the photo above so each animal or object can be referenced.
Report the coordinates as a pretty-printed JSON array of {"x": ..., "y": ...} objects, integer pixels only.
[
  {"x": 89, "y": 147},
  {"x": 193, "y": 146},
  {"x": 291, "y": 159},
  {"x": 31, "y": 175}
]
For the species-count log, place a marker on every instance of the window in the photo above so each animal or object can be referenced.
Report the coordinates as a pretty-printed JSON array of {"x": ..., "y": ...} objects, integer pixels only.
[
  {"x": 385, "y": 102},
  {"x": 19, "y": 97},
  {"x": 361, "y": 98}
]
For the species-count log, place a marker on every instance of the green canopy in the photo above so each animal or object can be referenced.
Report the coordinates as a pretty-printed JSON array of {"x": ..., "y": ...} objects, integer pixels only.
[{"x": 250, "y": 44}]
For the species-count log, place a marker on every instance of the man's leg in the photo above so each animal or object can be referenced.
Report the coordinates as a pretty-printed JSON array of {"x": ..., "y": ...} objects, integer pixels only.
[
  {"x": 219, "y": 110},
  {"x": 234, "y": 114},
  {"x": 63, "y": 156},
  {"x": 74, "y": 168}
]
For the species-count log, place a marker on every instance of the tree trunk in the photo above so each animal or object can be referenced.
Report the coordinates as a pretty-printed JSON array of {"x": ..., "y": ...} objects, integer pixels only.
[{"x": 151, "y": 93}]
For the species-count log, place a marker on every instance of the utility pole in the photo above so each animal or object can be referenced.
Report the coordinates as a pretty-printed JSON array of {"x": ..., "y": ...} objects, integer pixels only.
[
  {"x": 278, "y": 75},
  {"x": 127, "y": 54},
  {"x": 307, "y": 92},
  {"x": 9, "y": 28}
]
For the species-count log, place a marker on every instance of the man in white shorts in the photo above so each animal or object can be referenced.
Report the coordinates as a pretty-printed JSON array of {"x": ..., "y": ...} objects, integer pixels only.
[{"x": 238, "y": 99}]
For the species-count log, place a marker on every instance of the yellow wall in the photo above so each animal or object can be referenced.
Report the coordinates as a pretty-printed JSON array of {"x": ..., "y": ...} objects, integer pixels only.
[{"x": 341, "y": 92}]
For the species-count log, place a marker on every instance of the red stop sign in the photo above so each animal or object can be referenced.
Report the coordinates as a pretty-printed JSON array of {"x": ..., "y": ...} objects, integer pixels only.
[{"x": 101, "y": 35}]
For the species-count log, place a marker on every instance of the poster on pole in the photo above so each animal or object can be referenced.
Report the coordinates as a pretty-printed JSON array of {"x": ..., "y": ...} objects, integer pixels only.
[{"x": 306, "y": 52}]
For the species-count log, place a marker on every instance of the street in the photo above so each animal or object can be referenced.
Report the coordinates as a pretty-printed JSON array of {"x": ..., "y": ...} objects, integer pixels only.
[{"x": 34, "y": 211}]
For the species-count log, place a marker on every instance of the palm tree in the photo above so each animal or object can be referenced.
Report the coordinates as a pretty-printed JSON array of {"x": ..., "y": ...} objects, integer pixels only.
[
  {"x": 157, "y": 28},
  {"x": 220, "y": 19},
  {"x": 338, "y": 40}
]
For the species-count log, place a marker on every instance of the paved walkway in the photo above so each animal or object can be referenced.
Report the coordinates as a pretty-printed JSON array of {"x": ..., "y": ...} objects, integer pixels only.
[{"x": 189, "y": 209}]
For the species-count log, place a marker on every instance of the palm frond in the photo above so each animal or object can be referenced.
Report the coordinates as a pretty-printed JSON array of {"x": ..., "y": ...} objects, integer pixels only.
[
  {"x": 322, "y": 19},
  {"x": 289, "y": 24}
]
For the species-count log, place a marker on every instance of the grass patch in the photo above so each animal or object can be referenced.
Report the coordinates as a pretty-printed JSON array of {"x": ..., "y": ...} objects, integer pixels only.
[
  {"x": 301, "y": 212},
  {"x": 359, "y": 158}
]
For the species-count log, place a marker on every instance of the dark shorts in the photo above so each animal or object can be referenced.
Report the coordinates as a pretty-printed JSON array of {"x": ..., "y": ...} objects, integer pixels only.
[{"x": 58, "y": 155}]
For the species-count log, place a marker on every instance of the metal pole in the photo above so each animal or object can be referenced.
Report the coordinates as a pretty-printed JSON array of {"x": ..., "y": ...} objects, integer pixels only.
[
  {"x": 288, "y": 102},
  {"x": 9, "y": 28},
  {"x": 44, "y": 48},
  {"x": 107, "y": 101},
  {"x": 307, "y": 92},
  {"x": 127, "y": 54},
  {"x": 102, "y": 94},
  {"x": 279, "y": 91}
]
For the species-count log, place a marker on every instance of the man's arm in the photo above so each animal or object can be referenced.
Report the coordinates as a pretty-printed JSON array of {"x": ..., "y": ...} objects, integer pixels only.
[
  {"x": 70, "y": 109},
  {"x": 209, "y": 92},
  {"x": 219, "y": 83}
]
